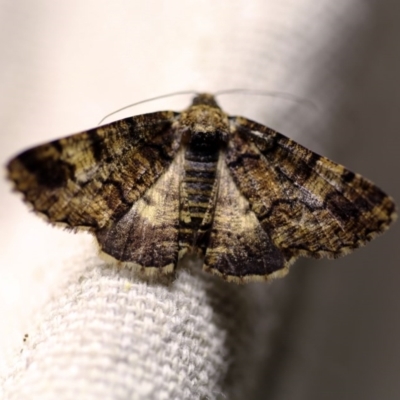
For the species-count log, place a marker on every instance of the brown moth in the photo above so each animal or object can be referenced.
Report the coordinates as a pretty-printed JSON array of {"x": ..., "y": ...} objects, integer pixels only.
[{"x": 245, "y": 198}]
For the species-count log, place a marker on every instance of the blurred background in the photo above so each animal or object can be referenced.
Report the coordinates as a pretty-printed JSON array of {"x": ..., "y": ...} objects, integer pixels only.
[{"x": 65, "y": 65}]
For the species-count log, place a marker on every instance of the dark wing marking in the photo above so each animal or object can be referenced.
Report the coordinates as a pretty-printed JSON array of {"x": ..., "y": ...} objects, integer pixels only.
[
  {"x": 308, "y": 204},
  {"x": 239, "y": 249},
  {"x": 147, "y": 235},
  {"x": 86, "y": 179}
]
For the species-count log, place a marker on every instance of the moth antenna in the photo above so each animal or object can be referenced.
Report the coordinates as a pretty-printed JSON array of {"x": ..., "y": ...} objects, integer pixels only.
[
  {"x": 282, "y": 95},
  {"x": 147, "y": 100}
]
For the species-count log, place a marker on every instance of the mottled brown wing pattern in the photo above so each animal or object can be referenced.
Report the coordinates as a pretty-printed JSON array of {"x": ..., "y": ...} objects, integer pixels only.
[
  {"x": 156, "y": 186},
  {"x": 239, "y": 249},
  {"x": 86, "y": 179},
  {"x": 306, "y": 203},
  {"x": 147, "y": 235}
]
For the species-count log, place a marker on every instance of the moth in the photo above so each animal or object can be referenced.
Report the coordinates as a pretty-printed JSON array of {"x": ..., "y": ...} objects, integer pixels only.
[{"x": 244, "y": 198}]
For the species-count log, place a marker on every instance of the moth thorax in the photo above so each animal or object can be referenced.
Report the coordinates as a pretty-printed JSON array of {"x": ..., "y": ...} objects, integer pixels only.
[{"x": 206, "y": 140}]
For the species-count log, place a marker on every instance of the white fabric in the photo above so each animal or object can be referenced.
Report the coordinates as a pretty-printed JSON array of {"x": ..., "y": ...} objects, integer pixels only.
[
  {"x": 111, "y": 336},
  {"x": 99, "y": 332}
]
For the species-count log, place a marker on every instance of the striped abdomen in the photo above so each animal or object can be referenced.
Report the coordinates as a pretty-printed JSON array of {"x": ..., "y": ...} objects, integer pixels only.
[{"x": 198, "y": 191}]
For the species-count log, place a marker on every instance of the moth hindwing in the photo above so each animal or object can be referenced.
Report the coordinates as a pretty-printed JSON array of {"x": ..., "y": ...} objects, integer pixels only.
[{"x": 245, "y": 198}]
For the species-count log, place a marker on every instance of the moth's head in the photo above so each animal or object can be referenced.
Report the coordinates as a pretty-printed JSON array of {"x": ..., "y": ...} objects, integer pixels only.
[
  {"x": 204, "y": 124},
  {"x": 205, "y": 99}
]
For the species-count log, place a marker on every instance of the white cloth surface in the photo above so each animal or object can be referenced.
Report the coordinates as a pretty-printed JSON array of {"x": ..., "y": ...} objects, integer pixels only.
[
  {"x": 112, "y": 336},
  {"x": 99, "y": 332}
]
